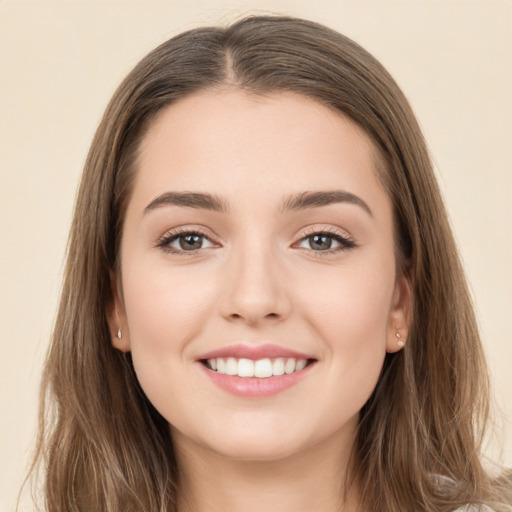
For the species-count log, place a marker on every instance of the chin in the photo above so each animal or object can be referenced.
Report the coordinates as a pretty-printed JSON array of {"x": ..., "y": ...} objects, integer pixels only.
[
  {"x": 246, "y": 440},
  {"x": 257, "y": 448}
]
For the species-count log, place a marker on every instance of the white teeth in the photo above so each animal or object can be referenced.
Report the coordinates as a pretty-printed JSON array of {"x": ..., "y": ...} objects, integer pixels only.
[
  {"x": 245, "y": 368},
  {"x": 289, "y": 367},
  {"x": 221, "y": 365},
  {"x": 301, "y": 364},
  {"x": 231, "y": 366},
  {"x": 261, "y": 368},
  {"x": 278, "y": 366}
]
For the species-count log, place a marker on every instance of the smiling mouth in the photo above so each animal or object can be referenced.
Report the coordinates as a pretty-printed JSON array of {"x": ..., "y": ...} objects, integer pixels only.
[{"x": 260, "y": 368}]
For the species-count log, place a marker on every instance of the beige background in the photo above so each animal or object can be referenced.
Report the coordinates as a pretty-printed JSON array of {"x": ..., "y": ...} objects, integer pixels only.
[{"x": 60, "y": 62}]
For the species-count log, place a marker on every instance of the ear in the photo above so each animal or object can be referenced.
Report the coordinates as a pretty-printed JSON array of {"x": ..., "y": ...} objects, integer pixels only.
[
  {"x": 401, "y": 314},
  {"x": 116, "y": 317}
]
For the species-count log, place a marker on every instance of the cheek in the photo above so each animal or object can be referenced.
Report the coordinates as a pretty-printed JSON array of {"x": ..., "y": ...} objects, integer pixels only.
[
  {"x": 353, "y": 321},
  {"x": 351, "y": 308},
  {"x": 351, "y": 315},
  {"x": 164, "y": 310}
]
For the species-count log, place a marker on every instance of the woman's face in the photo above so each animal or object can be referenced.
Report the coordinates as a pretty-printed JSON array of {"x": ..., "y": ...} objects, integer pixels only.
[{"x": 258, "y": 239}]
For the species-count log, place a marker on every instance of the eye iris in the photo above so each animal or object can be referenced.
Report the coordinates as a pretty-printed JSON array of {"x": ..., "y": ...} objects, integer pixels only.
[
  {"x": 320, "y": 242},
  {"x": 191, "y": 242}
]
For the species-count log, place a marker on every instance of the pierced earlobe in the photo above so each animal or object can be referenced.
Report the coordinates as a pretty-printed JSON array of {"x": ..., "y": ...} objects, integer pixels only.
[
  {"x": 118, "y": 328},
  {"x": 400, "y": 314},
  {"x": 395, "y": 343},
  {"x": 121, "y": 343}
]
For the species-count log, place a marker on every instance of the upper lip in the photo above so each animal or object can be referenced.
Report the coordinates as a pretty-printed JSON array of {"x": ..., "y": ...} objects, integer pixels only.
[{"x": 254, "y": 352}]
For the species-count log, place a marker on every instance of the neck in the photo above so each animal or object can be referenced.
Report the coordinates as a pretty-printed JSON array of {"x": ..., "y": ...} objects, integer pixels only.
[{"x": 313, "y": 479}]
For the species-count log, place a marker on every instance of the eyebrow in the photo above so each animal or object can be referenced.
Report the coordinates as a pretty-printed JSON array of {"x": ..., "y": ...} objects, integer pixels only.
[
  {"x": 316, "y": 199},
  {"x": 294, "y": 202},
  {"x": 197, "y": 200}
]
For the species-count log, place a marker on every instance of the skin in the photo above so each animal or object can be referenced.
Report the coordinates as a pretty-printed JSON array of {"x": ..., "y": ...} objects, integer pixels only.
[{"x": 257, "y": 279}]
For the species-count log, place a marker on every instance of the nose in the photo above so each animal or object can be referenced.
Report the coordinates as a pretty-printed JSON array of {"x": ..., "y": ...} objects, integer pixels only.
[{"x": 255, "y": 290}]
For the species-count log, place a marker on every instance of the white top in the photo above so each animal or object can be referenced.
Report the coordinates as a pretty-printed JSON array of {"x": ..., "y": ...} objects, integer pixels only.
[
  {"x": 445, "y": 482},
  {"x": 475, "y": 508}
]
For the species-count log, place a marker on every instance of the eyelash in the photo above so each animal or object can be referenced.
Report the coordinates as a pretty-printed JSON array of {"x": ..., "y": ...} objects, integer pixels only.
[
  {"x": 163, "y": 243},
  {"x": 344, "y": 241}
]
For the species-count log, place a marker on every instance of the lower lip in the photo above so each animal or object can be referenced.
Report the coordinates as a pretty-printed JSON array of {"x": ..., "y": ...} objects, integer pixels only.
[{"x": 254, "y": 387}]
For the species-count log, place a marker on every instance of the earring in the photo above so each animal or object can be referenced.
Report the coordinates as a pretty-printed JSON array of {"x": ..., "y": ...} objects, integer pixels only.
[
  {"x": 400, "y": 342},
  {"x": 119, "y": 335}
]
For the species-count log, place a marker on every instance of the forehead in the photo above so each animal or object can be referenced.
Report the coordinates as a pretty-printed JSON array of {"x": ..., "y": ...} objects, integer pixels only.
[{"x": 229, "y": 141}]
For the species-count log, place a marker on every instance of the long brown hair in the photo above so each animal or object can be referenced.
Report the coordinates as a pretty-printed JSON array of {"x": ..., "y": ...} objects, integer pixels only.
[{"x": 103, "y": 447}]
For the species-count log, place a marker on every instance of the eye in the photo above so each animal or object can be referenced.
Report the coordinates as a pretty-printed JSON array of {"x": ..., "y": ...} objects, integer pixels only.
[
  {"x": 184, "y": 242},
  {"x": 326, "y": 242}
]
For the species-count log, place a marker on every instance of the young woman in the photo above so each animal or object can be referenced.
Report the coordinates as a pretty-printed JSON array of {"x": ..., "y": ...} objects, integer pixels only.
[{"x": 263, "y": 306}]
